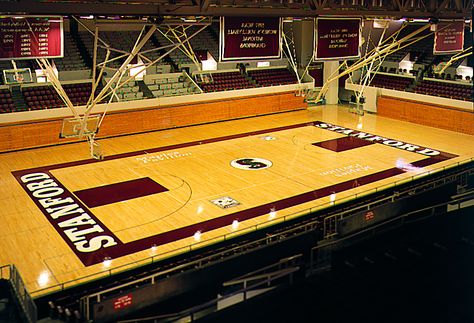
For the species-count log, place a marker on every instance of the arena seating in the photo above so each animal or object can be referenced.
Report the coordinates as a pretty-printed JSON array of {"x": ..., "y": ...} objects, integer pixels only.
[
  {"x": 391, "y": 82},
  {"x": 45, "y": 97},
  {"x": 421, "y": 53},
  {"x": 445, "y": 89},
  {"x": 226, "y": 81},
  {"x": 271, "y": 77},
  {"x": 123, "y": 40},
  {"x": 6, "y": 101},
  {"x": 206, "y": 40},
  {"x": 202, "y": 41},
  {"x": 118, "y": 40},
  {"x": 72, "y": 58},
  {"x": 169, "y": 85},
  {"x": 128, "y": 91}
]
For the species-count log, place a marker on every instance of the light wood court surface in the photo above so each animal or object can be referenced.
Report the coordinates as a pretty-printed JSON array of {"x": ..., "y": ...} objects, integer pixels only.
[{"x": 196, "y": 174}]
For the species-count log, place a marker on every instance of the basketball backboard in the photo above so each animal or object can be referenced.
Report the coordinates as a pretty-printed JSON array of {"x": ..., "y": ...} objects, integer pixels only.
[{"x": 72, "y": 127}]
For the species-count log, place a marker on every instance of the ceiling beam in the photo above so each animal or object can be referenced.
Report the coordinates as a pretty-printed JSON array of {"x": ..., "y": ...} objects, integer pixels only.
[
  {"x": 77, "y": 8},
  {"x": 442, "y": 6},
  {"x": 313, "y": 4},
  {"x": 205, "y": 4},
  {"x": 207, "y": 8}
]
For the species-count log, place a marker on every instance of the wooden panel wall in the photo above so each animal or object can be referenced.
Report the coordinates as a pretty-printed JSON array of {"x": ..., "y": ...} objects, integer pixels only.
[
  {"x": 426, "y": 114},
  {"x": 46, "y": 132}
]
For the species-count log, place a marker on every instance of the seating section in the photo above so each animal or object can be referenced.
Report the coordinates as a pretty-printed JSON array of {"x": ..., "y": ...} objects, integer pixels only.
[
  {"x": 421, "y": 52},
  {"x": 72, "y": 58},
  {"x": 6, "y": 101},
  {"x": 175, "y": 84},
  {"x": 204, "y": 40},
  {"x": 226, "y": 81},
  {"x": 271, "y": 77},
  {"x": 79, "y": 93},
  {"x": 46, "y": 97},
  {"x": 391, "y": 82},
  {"x": 129, "y": 91},
  {"x": 445, "y": 89},
  {"x": 125, "y": 41},
  {"x": 161, "y": 86}
]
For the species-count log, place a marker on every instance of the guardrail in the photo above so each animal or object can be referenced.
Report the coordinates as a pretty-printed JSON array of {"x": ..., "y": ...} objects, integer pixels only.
[
  {"x": 11, "y": 273},
  {"x": 320, "y": 254},
  {"x": 285, "y": 268}
]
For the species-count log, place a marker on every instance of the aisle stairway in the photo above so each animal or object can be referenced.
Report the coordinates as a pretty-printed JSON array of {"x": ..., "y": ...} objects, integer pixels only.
[{"x": 18, "y": 99}]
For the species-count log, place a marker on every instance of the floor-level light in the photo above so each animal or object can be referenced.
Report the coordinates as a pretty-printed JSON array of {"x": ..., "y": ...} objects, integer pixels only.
[
  {"x": 235, "y": 225},
  {"x": 197, "y": 236}
]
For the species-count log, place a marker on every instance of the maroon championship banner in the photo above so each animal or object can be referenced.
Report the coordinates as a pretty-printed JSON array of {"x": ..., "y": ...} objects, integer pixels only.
[
  {"x": 449, "y": 37},
  {"x": 244, "y": 38},
  {"x": 31, "y": 37},
  {"x": 337, "y": 38}
]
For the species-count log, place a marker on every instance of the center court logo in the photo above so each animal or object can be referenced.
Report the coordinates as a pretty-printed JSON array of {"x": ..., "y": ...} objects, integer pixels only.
[{"x": 251, "y": 163}]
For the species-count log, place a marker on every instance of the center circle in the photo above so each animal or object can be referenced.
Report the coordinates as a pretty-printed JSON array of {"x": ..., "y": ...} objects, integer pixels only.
[{"x": 251, "y": 163}]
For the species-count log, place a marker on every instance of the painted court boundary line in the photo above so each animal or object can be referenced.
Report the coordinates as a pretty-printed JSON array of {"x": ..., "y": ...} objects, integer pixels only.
[{"x": 92, "y": 241}]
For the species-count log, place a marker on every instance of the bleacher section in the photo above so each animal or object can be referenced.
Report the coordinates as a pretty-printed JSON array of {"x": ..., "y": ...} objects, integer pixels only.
[
  {"x": 226, "y": 81},
  {"x": 88, "y": 41},
  {"x": 445, "y": 89},
  {"x": 129, "y": 91},
  {"x": 158, "y": 84},
  {"x": 271, "y": 77},
  {"x": 391, "y": 82},
  {"x": 123, "y": 40},
  {"x": 72, "y": 58},
  {"x": 205, "y": 40},
  {"x": 6, "y": 101},
  {"x": 45, "y": 96},
  {"x": 421, "y": 54},
  {"x": 169, "y": 85}
]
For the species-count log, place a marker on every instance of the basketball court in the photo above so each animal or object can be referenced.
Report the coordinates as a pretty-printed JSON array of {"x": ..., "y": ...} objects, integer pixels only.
[{"x": 68, "y": 218}]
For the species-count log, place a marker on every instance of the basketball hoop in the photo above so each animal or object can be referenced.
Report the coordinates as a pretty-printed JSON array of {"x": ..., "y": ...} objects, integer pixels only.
[
  {"x": 80, "y": 127},
  {"x": 17, "y": 76},
  {"x": 83, "y": 127}
]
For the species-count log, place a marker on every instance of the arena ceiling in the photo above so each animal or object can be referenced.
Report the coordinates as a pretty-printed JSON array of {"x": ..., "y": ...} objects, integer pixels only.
[{"x": 440, "y": 9}]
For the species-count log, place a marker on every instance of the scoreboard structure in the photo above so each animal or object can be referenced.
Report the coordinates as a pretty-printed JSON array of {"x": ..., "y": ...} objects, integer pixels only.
[{"x": 31, "y": 37}]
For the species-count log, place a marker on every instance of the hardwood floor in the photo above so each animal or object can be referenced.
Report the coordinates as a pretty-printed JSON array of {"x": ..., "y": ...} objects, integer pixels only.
[{"x": 64, "y": 213}]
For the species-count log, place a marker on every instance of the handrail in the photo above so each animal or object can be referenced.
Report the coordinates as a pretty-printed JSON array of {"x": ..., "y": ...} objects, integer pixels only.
[
  {"x": 157, "y": 317},
  {"x": 257, "y": 277},
  {"x": 192, "y": 80},
  {"x": 282, "y": 261},
  {"x": 464, "y": 195},
  {"x": 196, "y": 245},
  {"x": 28, "y": 306},
  {"x": 375, "y": 226},
  {"x": 189, "y": 312},
  {"x": 244, "y": 291}
]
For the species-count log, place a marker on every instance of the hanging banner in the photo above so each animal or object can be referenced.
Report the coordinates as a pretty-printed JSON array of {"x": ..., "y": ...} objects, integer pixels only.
[
  {"x": 449, "y": 37},
  {"x": 245, "y": 38},
  {"x": 31, "y": 37},
  {"x": 337, "y": 38}
]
